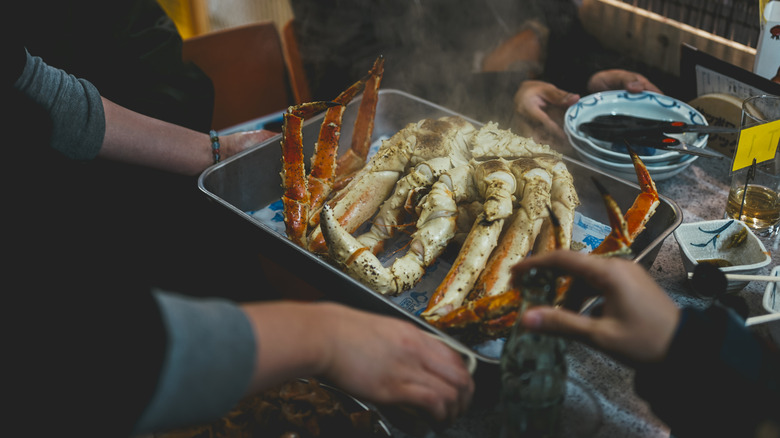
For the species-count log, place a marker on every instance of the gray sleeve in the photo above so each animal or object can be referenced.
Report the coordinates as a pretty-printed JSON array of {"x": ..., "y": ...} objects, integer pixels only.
[
  {"x": 75, "y": 107},
  {"x": 208, "y": 364}
]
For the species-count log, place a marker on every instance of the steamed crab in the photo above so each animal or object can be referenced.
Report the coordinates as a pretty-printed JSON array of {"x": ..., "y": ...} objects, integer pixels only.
[{"x": 497, "y": 194}]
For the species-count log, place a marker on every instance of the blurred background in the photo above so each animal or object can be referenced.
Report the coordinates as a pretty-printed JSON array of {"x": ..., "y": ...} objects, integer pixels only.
[{"x": 648, "y": 29}]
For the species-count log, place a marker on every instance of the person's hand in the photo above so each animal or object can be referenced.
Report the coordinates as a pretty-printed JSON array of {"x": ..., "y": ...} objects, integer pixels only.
[
  {"x": 638, "y": 318},
  {"x": 617, "y": 79},
  {"x": 391, "y": 361},
  {"x": 232, "y": 144},
  {"x": 539, "y": 110},
  {"x": 377, "y": 358}
]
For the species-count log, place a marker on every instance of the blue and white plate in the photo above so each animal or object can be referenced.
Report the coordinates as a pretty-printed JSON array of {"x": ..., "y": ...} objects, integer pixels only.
[{"x": 645, "y": 104}]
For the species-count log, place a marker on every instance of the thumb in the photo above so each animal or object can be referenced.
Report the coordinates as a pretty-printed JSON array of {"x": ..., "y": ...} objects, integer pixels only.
[
  {"x": 556, "y": 96},
  {"x": 557, "y": 321}
]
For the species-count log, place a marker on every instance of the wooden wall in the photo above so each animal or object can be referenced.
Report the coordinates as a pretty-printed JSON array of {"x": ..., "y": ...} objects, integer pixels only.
[
  {"x": 655, "y": 39},
  {"x": 637, "y": 32}
]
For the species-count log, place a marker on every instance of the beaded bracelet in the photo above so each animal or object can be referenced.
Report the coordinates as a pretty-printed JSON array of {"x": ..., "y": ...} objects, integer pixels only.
[{"x": 214, "y": 145}]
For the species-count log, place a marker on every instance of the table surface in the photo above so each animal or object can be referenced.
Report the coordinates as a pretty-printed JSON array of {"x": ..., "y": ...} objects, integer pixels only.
[{"x": 701, "y": 193}]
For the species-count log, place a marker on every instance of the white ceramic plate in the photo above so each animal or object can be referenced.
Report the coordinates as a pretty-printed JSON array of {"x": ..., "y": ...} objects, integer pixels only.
[{"x": 645, "y": 104}]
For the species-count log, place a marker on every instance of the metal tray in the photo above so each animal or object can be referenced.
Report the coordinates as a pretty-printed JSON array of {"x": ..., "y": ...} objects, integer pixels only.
[{"x": 250, "y": 181}]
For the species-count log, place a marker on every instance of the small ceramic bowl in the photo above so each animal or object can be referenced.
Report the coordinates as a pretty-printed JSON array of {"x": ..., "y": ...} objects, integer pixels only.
[{"x": 708, "y": 241}]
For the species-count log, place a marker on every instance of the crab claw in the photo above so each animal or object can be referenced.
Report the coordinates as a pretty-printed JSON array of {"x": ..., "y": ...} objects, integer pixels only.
[
  {"x": 296, "y": 198},
  {"x": 645, "y": 204},
  {"x": 618, "y": 241},
  {"x": 626, "y": 228},
  {"x": 355, "y": 157},
  {"x": 323, "y": 162}
]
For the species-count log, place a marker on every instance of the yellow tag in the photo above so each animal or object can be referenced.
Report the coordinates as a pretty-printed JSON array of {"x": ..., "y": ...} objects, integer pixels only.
[{"x": 759, "y": 142}]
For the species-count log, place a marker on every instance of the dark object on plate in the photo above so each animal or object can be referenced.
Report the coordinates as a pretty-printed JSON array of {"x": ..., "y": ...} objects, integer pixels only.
[
  {"x": 736, "y": 303},
  {"x": 619, "y": 126},
  {"x": 648, "y": 133},
  {"x": 708, "y": 280},
  {"x": 720, "y": 263},
  {"x": 298, "y": 408}
]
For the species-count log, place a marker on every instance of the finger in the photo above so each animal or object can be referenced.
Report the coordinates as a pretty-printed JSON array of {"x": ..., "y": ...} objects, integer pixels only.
[
  {"x": 651, "y": 87},
  {"x": 557, "y": 321},
  {"x": 542, "y": 118},
  {"x": 571, "y": 262},
  {"x": 448, "y": 365},
  {"x": 597, "y": 271},
  {"x": 431, "y": 397},
  {"x": 446, "y": 362}
]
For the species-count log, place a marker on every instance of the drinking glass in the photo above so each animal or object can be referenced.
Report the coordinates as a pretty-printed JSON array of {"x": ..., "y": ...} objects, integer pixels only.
[{"x": 753, "y": 195}]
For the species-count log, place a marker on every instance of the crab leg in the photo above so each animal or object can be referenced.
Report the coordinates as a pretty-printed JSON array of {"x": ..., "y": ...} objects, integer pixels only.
[
  {"x": 355, "y": 158},
  {"x": 480, "y": 310},
  {"x": 492, "y": 314},
  {"x": 519, "y": 237},
  {"x": 435, "y": 228},
  {"x": 497, "y": 184},
  {"x": 618, "y": 240},
  {"x": 386, "y": 222},
  {"x": 323, "y": 162},
  {"x": 563, "y": 202},
  {"x": 415, "y": 143},
  {"x": 626, "y": 228},
  {"x": 357, "y": 202},
  {"x": 296, "y": 198},
  {"x": 645, "y": 204}
]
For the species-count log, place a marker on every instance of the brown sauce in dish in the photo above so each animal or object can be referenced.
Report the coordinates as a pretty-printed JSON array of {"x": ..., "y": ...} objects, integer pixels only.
[{"x": 720, "y": 263}]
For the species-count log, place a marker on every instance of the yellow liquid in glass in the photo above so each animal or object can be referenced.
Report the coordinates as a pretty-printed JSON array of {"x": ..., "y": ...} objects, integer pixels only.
[{"x": 761, "y": 210}]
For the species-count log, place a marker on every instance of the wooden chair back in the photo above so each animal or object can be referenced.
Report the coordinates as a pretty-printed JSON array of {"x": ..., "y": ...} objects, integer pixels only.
[{"x": 248, "y": 69}]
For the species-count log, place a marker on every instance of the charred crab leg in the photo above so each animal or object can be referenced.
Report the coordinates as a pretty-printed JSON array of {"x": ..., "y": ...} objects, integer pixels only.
[
  {"x": 323, "y": 162},
  {"x": 492, "y": 314},
  {"x": 500, "y": 185},
  {"x": 355, "y": 157},
  {"x": 618, "y": 240},
  {"x": 518, "y": 239},
  {"x": 386, "y": 222},
  {"x": 296, "y": 198},
  {"x": 366, "y": 192},
  {"x": 435, "y": 228},
  {"x": 645, "y": 204},
  {"x": 626, "y": 228}
]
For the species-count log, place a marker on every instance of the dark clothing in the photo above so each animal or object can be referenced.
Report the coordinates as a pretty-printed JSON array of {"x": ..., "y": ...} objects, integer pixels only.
[
  {"x": 430, "y": 46},
  {"x": 91, "y": 348},
  {"x": 60, "y": 280},
  {"x": 131, "y": 51},
  {"x": 718, "y": 378}
]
